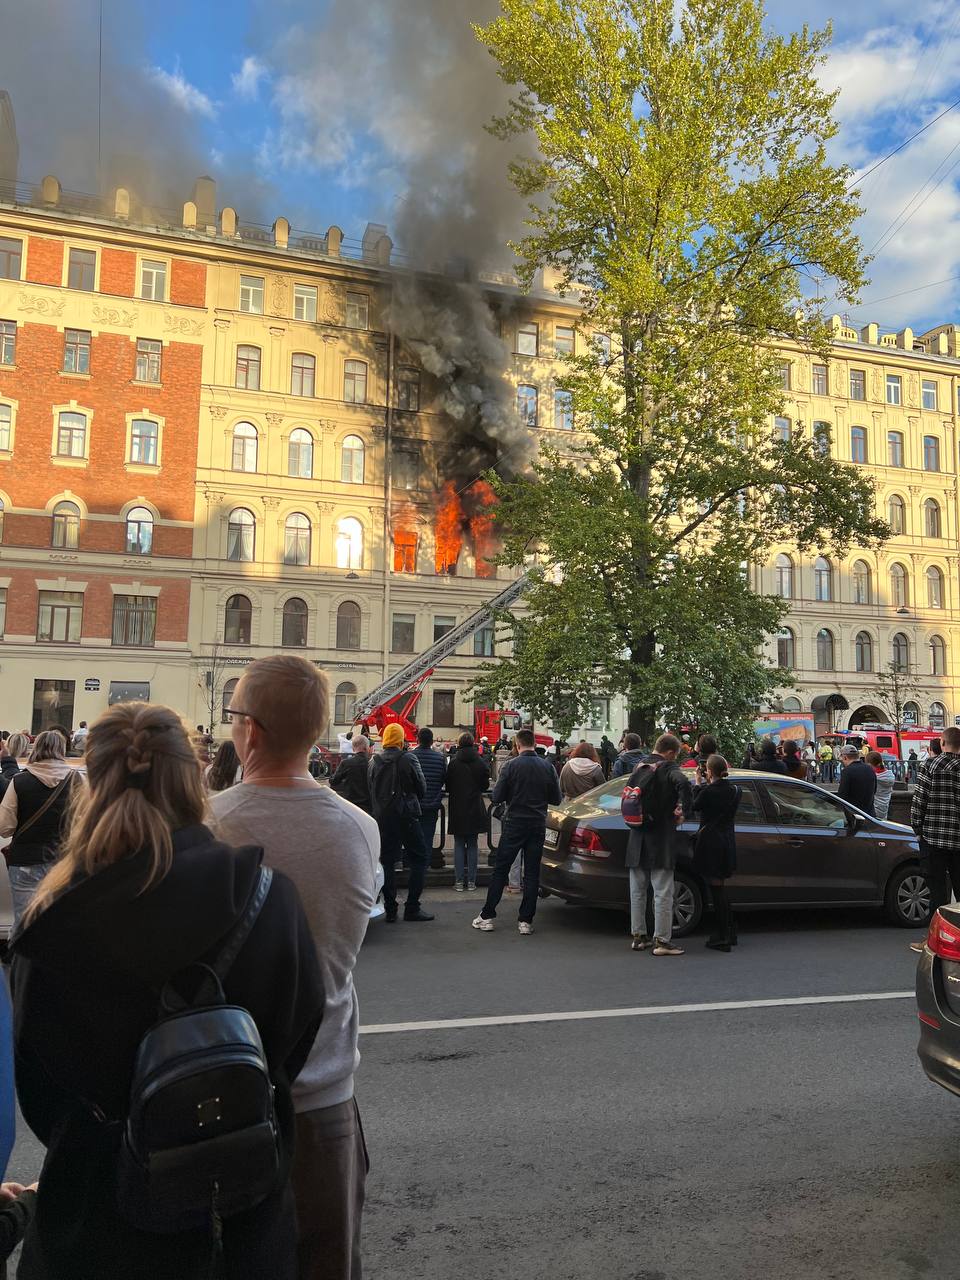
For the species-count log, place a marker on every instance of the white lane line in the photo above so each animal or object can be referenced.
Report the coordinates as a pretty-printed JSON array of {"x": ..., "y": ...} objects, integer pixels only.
[{"x": 641, "y": 1011}]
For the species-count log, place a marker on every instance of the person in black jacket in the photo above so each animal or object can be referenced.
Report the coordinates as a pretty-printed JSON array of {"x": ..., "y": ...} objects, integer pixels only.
[
  {"x": 858, "y": 781},
  {"x": 468, "y": 777},
  {"x": 142, "y": 893},
  {"x": 715, "y": 845},
  {"x": 396, "y": 789},
  {"x": 351, "y": 780},
  {"x": 433, "y": 766},
  {"x": 766, "y": 759}
]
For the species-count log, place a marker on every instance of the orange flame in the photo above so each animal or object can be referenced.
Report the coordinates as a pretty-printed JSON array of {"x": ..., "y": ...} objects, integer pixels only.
[
  {"x": 405, "y": 539},
  {"x": 448, "y": 530},
  {"x": 481, "y": 527}
]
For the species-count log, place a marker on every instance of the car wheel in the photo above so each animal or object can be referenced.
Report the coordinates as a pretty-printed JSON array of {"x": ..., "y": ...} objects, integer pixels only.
[
  {"x": 907, "y": 901},
  {"x": 687, "y": 904}
]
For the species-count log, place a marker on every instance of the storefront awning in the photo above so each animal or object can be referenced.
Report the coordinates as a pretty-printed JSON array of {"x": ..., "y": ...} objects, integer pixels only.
[{"x": 830, "y": 702}]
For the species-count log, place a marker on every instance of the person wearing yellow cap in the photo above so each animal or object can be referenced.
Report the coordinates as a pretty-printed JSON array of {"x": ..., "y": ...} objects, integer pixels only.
[{"x": 396, "y": 788}]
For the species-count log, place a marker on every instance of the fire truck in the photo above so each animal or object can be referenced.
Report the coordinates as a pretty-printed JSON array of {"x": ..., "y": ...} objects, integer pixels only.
[
  {"x": 883, "y": 738},
  {"x": 395, "y": 701}
]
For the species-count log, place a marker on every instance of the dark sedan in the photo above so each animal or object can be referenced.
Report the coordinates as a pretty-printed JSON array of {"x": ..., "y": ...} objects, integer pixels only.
[
  {"x": 938, "y": 1000},
  {"x": 797, "y": 846}
]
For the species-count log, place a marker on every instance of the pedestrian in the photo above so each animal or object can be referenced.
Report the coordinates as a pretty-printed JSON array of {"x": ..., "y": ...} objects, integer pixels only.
[
  {"x": 352, "y": 778},
  {"x": 913, "y": 766},
  {"x": 143, "y": 894},
  {"x": 17, "y": 1202},
  {"x": 329, "y": 849},
  {"x": 715, "y": 845},
  {"x": 527, "y": 786},
  {"x": 501, "y": 754},
  {"x": 810, "y": 760},
  {"x": 630, "y": 757},
  {"x": 225, "y": 770},
  {"x": 433, "y": 766},
  {"x": 767, "y": 760},
  {"x": 396, "y": 788},
  {"x": 468, "y": 777},
  {"x": 793, "y": 762},
  {"x": 652, "y": 849},
  {"x": 32, "y": 811},
  {"x": 825, "y": 756},
  {"x": 608, "y": 755},
  {"x": 80, "y": 738},
  {"x": 706, "y": 747},
  {"x": 935, "y": 748},
  {"x": 582, "y": 772},
  {"x": 864, "y": 750},
  {"x": 885, "y": 781},
  {"x": 935, "y": 817},
  {"x": 858, "y": 782},
  {"x": 11, "y": 750}
]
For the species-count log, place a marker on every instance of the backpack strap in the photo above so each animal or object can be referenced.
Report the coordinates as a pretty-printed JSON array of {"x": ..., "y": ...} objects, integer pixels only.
[{"x": 238, "y": 936}]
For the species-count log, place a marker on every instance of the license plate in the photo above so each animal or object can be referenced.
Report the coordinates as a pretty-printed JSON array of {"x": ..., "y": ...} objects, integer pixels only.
[{"x": 551, "y": 836}]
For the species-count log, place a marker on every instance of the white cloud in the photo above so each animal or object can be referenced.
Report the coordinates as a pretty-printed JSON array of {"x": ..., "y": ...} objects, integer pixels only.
[
  {"x": 246, "y": 81},
  {"x": 182, "y": 93}
]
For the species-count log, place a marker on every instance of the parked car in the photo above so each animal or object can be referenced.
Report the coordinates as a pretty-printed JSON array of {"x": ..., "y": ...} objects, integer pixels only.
[
  {"x": 938, "y": 1000},
  {"x": 797, "y": 846}
]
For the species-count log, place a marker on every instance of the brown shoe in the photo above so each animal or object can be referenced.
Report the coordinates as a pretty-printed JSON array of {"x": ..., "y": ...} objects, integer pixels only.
[{"x": 661, "y": 948}]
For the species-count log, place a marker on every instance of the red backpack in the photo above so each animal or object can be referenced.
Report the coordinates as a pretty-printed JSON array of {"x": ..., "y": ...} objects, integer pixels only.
[{"x": 631, "y": 798}]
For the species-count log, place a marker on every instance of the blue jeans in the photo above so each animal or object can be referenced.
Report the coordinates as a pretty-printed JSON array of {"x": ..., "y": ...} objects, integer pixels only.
[
  {"x": 23, "y": 885},
  {"x": 465, "y": 852},
  {"x": 660, "y": 879},
  {"x": 517, "y": 837}
]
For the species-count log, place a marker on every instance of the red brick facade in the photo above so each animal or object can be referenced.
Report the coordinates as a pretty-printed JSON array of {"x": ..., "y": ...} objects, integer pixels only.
[
  {"x": 44, "y": 261},
  {"x": 118, "y": 272},
  {"x": 188, "y": 283}
]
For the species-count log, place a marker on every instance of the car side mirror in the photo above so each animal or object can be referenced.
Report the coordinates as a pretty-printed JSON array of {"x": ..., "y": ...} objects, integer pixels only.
[{"x": 854, "y": 822}]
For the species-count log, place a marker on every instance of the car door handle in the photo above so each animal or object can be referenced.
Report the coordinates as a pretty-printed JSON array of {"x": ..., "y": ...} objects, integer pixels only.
[{"x": 795, "y": 843}]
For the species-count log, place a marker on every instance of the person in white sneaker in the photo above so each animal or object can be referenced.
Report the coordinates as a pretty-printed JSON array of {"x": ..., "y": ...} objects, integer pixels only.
[{"x": 652, "y": 848}]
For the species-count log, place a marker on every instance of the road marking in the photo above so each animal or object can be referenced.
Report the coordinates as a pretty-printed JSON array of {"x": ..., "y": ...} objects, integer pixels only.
[{"x": 641, "y": 1011}]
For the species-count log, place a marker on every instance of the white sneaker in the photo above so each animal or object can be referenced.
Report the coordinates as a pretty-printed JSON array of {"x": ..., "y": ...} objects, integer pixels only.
[
  {"x": 458, "y": 885},
  {"x": 525, "y": 927},
  {"x": 485, "y": 926}
]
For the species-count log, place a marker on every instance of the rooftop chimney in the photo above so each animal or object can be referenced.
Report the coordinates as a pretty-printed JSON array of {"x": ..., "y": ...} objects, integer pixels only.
[
  {"x": 9, "y": 147},
  {"x": 371, "y": 238},
  {"x": 205, "y": 198}
]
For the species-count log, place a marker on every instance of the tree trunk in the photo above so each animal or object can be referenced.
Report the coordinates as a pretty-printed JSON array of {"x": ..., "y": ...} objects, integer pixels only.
[{"x": 643, "y": 720}]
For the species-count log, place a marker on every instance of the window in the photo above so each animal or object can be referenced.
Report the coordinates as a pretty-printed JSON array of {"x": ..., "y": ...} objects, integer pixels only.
[
  {"x": 76, "y": 351},
  {"x": 820, "y": 384},
  {"x": 858, "y": 384},
  {"x": 357, "y": 311},
  {"x": 71, "y": 435},
  {"x": 824, "y": 650},
  {"x": 300, "y": 454},
  {"x": 303, "y": 370},
  {"x": 564, "y": 339},
  {"x": 237, "y": 620},
  {"x": 863, "y": 652},
  {"x": 900, "y": 651},
  {"x": 8, "y": 342},
  {"x": 784, "y": 573},
  {"x": 3, "y": 611},
  {"x": 894, "y": 389},
  {"x": 355, "y": 382},
  {"x": 153, "y": 280},
  {"x": 786, "y": 649},
  {"x": 241, "y": 536},
  {"x": 896, "y": 514},
  {"x": 444, "y": 705},
  {"x": 134, "y": 621},
  {"x": 528, "y": 339},
  {"x": 527, "y": 404},
  {"x": 822, "y": 436},
  {"x": 911, "y": 713},
  {"x": 783, "y": 375},
  {"x": 929, "y": 394},
  {"x": 894, "y": 448},
  {"x": 293, "y": 633},
  {"x": 408, "y": 389},
  {"x": 251, "y": 294},
  {"x": 782, "y": 429},
  {"x": 938, "y": 715},
  {"x": 11, "y": 255},
  {"x": 229, "y": 689},
  {"x": 805, "y": 807},
  {"x": 244, "y": 453},
  {"x": 66, "y": 526},
  {"x": 147, "y": 368},
  {"x": 404, "y": 628},
  {"x": 348, "y": 625},
  {"x": 441, "y": 625},
  {"x": 899, "y": 586},
  {"x": 343, "y": 700},
  {"x": 822, "y": 579},
  {"x": 931, "y": 453},
  {"x": 484, "y": 641},
  {"x": 406, "y": 469},
  {"x": 934, "y": 588},
  {"x": 858, "y": 444},
  {"x": 563, "y": 410},
  {"x": 6, "y": 422},
  {"x": 861, "y": 583},
  {"x": 144, "y": 440},
  {"x": 296, "y": 539},
  {"x": 601, "y": 342},
  {"x": 349, "y": 544},
  {"x": 60, "y": 617},
  {"x": 938, "y": 656},
  {"x": 351, "y": 460},
  {"x": 82, "y": 269},
  {"x": 248, "y": 368},
  {"x": 404, "y": 551},
  {"x": 305, "y": 302},
  {"x": 139, "y": 540},
  {"x": 931, "y": 518}
]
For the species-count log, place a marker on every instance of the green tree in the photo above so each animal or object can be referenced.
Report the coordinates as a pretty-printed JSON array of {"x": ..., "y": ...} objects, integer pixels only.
[{"x": 681, "y": 187}]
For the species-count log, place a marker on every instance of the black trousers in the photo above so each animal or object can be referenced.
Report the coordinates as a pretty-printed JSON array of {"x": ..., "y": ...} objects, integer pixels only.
[
  {"x": 396, "y": 836},
  {"x": 941, "y": 868},
  {"x": 517, "y": 837}
]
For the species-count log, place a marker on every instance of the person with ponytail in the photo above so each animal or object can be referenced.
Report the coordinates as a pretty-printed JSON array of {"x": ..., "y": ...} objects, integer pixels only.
[
  {"x": 715, "y": 845},
  {"x": 141, "y": 893}
]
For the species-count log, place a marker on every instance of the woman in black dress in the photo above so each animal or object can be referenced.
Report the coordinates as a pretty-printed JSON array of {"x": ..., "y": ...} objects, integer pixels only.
[{"x": 715, "y": 848}]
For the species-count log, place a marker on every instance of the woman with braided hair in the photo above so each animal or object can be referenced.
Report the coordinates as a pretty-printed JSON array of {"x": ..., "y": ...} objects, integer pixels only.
[{"x": 142, "y": 892}]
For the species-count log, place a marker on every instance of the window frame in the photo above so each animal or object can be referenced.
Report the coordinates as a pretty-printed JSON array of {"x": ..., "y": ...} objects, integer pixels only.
[
  {"x": 858, "y": 384},
  {"x": 302, "y": 538},
  {"x": 444, "y": 719},
  {"x": 137, "y": 438},
  {"x": 783, "y": 568},
  {"x": 8, "y": 343},
  {"x": 563, "y": 413},
  {"x": 73, "y": 256},
  {"x": 146, "y": 521},
  {"x": 863, "y": 652},
  {"x": 304, "y": 449},
  {"x": 859, "y": 452},
  {"x": 305, "y": 293},
  {"x": 900, "y": 651},
  {"x": 359, "y": 305},
  {"x": 304, "y": 373},
  {"x": 825, "y": 637},
  {"x": 249, "y": 288},
  {"x": 936, "y": 587},
  {"x": 70, "y": 609},
  {"x": 899, "y": 585},
  {"x": 351, "y": 620},
  {"x": 302, "y": 619},
  {"x": 353, "y": 460},
  {"x": 76, "y": 351},
  {"x": 247, "y": 366},
  {"x": 929, "y": 386},
  {"x": 782, "y": 429},
  {"x": 897, "y": 525},
  {"x": 786, "y": 648},
  {"x": 144, "y": 359},
  {"x": 140, "y": 616},
  {"x": 238, "y": 615},
  {"x": 349, "y": 549},
  {"x": 408, "y": 388},
  {"x": 820, "y": 380},
  {"x": 247, "y": 440},
  {"x": 527, "y": 330},
  {"x": 528, "y": 419},
  {"x": 822, "y": 575},
  {"x": 65, "y": 525},
  {"x": 931, "y": 452},
  {"x": 342, "y": 714},
  {"x": 894, "y": 389},
  {"x": 240, "y": 541},
  {"x": 859, "y": 577},
  {"x": 7, "y": 256},
  {"x": 408, "y": 639},
  {"x": 69, "y": 455},
  {"x": 356, "y": 374},
  {"x": 895, "y": 450},
  {"x": 565, "y": 346},
  {"x": 150, "y": 264},
  {"x": 932, "y": 518},
  {"x": 938, "y": 655}
]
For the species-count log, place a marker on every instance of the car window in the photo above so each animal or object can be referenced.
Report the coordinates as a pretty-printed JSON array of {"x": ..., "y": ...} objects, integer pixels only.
[
  {"x": 749, "y": 812},
  {"x": 884, "y": 740},
  {"x": 799, "y": 806},
  {"x": 605, "y": 797}
]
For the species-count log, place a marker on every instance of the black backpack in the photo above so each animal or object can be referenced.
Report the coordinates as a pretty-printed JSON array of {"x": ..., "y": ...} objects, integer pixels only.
[{"x": 200, "y": 1138}]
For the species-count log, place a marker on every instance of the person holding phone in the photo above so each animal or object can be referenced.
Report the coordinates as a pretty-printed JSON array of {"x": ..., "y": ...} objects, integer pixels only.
[{"x": 715, "y": 845}]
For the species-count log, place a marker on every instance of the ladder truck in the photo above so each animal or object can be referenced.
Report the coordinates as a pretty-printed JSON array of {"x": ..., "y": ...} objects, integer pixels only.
[{"x": 395, "y": 700}]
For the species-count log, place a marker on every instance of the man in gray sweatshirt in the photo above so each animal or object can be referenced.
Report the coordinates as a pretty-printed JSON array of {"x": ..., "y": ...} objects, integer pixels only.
[{"x": 330, "y": 849}]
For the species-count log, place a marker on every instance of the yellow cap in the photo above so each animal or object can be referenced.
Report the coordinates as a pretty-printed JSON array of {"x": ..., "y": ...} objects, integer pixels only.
[{"x": 393, "y": 736}]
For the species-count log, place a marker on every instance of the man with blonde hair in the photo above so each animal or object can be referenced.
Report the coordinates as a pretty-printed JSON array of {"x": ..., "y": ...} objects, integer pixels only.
[{"x": 329, "y": 849}]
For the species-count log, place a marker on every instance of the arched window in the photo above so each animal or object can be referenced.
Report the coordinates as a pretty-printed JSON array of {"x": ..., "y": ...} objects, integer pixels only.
[
  {"x": 66, "y": 526},
  {"x": 938, "y": 715},
  {"x": 241, "y": 535},
  {"x": 237, "y": 618},
  {"x": 825, "y": 660},
  {"x": 792, "y": 704},
  {"x": 863, "y": 652},
  {"x": 296, "y": 539},
  {"x": 784, "y": 571},
  {"x": 899, "y": 586},
  {"x": 900, "y": 652},
  {"x": 348, "y": 625},
  {"x": 349, "y": 544},
  {"x": 861, "y": 582},
  {"x": 786, "y": 649},
  {"x": 896, "y": 514},
  {"x": 911, "y": 713},
  {"x": 822, "y": 579},
  {"x": 244, "y": 447},
  {"x": 934, "y": 588},
  {"x": 300, "y": 454},
  {"x": 938, "y": 656},
  {"x": 858, "y": 444},
  {"x": 355, "y": 382},
  {"x": 139, "y": 532},
  {"x": 351, "y": 460},
  {"x": 144, "y": 441},
  {"x": 343, "y": 700},
  {"x": 931, "y": 518},
  {"x": 229, "y": 689},
  {"x": 303, "y": 370},
  {"x": 294, "y": 629}
]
